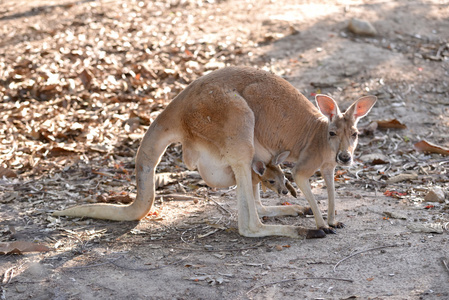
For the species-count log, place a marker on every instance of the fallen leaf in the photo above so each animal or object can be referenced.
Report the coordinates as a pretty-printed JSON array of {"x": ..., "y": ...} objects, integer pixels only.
[
  {"x": 395, "y": 215},
  {"x": 62, "y": 151},
  {"x": 125, "y": 199},
  {"x": 86, "y": 78},
  {"x": 375, "y": 159},
  {"x": 425, "y": 146},
  {"x": 163, "y": 179},
  {"x": 9, "y": 197},
  {"x": 7, "y": 173},
  {"x": 426, "y": 228},
  {"x": 394, "y": 194},
  {"x": 402, "y": 177},
  {"x": 20, "y": 247},
  {"x": 390, "y": 124},
  {"x": 435, "y": 195},
  {"x": 102, "y": 148},
  {"x": 194, "y": 266}
]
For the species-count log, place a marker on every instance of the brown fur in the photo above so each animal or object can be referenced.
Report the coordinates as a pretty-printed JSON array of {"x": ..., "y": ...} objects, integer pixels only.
[{"x": 231, "y": 117}]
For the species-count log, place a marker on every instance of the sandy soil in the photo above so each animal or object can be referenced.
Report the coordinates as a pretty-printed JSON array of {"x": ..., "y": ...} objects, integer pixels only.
[{"x": 191, "y": 249}]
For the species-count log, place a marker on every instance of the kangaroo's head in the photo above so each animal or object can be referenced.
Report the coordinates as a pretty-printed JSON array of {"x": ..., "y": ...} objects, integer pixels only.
[
  {"x": 342, "y": 129},
  {"x": 271, "y": 175}
]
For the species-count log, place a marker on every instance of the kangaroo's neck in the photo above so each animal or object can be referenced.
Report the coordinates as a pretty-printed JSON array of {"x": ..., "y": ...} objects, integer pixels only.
[{"x": 311, "y": 138}]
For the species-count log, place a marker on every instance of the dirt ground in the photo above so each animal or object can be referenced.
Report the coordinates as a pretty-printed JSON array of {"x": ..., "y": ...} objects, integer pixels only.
[{"x": 82, "y": 80}]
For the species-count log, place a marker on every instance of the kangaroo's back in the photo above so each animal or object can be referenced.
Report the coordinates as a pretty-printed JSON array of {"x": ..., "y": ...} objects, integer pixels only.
[{"x": 277, "y": 106}]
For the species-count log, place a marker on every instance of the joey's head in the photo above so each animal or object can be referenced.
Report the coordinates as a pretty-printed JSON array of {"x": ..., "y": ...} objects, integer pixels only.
[
  {"x": 271, "y": 175},
  {"x": 342, "y": 133}
]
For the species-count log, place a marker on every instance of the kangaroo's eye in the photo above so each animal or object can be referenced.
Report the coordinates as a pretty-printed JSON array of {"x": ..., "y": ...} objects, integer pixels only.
[
  {"x": 271, "y": 181},
  {"x": 332, "y": 133}
]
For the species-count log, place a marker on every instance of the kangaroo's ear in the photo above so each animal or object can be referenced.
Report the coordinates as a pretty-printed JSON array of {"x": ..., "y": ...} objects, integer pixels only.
[
  {"x": 361, "y": 107},
  {"x": 327, "y": 106},
  {"x": 258, "y": 167},
  {"x": 280, "y": 158}
]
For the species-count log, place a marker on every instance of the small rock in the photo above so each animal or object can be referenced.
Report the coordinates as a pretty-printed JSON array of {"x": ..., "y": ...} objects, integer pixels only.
[
  {"x": 435, "y": 195},
  {"x": 21, "y": 288},
  {"x": 361, "y": 27},
  {"x": 279, "y": 248}
]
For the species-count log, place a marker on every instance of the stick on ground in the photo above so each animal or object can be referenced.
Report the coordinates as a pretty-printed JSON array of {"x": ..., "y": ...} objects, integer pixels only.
[
  {"x": 359, "y": 252},
  {"x": 296, "y": 279}
]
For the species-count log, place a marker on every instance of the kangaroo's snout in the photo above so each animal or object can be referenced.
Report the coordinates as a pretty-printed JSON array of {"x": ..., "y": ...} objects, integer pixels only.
[{"x": 344, "y": 158}]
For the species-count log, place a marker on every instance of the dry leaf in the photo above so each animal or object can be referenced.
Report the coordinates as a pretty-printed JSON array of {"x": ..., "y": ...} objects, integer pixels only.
[
  {"x": 435, "y": 195},
  {"x": 125, "y": 199},
  {"x": 425, "y": 146},
  {"x": 9, "y": 197},
  {"x": 20, "y": 247},
  {"x": 86, "y": 78},
  {"x": 7, "y": 173},
  {"x": 395, "y": 215},
  {"x": 162, "y": 179},
  {"x": 426, "y": 228},
  {"x": 62, "y": 151},
  {"x": 390, "y": 124},
  {"x": 102, "y": 148},
  {"x": 402, "y": 177}
]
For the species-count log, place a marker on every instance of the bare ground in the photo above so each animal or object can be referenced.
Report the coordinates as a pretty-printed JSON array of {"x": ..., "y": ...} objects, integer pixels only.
[{"x": 70, "y": 138}]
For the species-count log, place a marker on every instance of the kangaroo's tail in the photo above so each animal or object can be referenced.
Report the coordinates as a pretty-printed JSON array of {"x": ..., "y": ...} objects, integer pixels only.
[{"x": 153, "y": 146}]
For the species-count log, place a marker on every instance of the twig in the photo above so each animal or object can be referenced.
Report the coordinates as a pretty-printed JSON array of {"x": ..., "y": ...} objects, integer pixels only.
[
  {"x": 445, "y": 264},
  {"x": 151, "y": 269},
  {"x": 94, "y": 265},
  {"x": 175, "y": 197},
  {"x": 218, "y": 250},
  {"x": 30, "y": 282},
  {"x": 359, "y": 252},
  {"x": 112, "y": 261},
  {"x": 7, "y": 276},
  {"x": 296, "y": 279},
  {"x": 221, "y": 206}
]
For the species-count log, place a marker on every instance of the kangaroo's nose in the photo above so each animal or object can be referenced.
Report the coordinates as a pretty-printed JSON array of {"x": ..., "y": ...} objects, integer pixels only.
[
  {"x": 344, "y": 157},
  {"x": 285, "y": 192}
]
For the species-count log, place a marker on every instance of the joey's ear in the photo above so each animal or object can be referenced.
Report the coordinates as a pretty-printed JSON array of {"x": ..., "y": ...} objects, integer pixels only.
[
  {"x": 290, "y": 187},
  {"x": 258, "y": 167},
  {"x": 280, "y": 158},
  {"x": 361, "y": 107},
  {"x": 327, "y": 106}
]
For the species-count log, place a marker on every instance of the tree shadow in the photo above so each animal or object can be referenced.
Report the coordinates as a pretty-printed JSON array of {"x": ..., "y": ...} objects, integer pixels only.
[{"x": 40, "y": 10}]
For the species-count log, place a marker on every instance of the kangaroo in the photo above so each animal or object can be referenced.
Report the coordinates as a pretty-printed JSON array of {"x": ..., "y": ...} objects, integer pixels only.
[
  {"x": 227, "y": 119},
  {"x": 271, "y": 175}
]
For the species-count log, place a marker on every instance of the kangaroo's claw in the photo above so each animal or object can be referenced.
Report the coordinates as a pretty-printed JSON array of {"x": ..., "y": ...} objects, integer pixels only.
[
  {"x": 328, "y": 230},
  {"x": 338, "y": 225}
]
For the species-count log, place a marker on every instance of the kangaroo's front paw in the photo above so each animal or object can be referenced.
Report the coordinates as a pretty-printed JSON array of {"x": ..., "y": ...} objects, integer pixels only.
[
  {"x": 298, "y": 210},
  {"x": 307, "y": 211},
  {"x": 315, "y": 234},
  {"x": 337, "y": 225}
]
